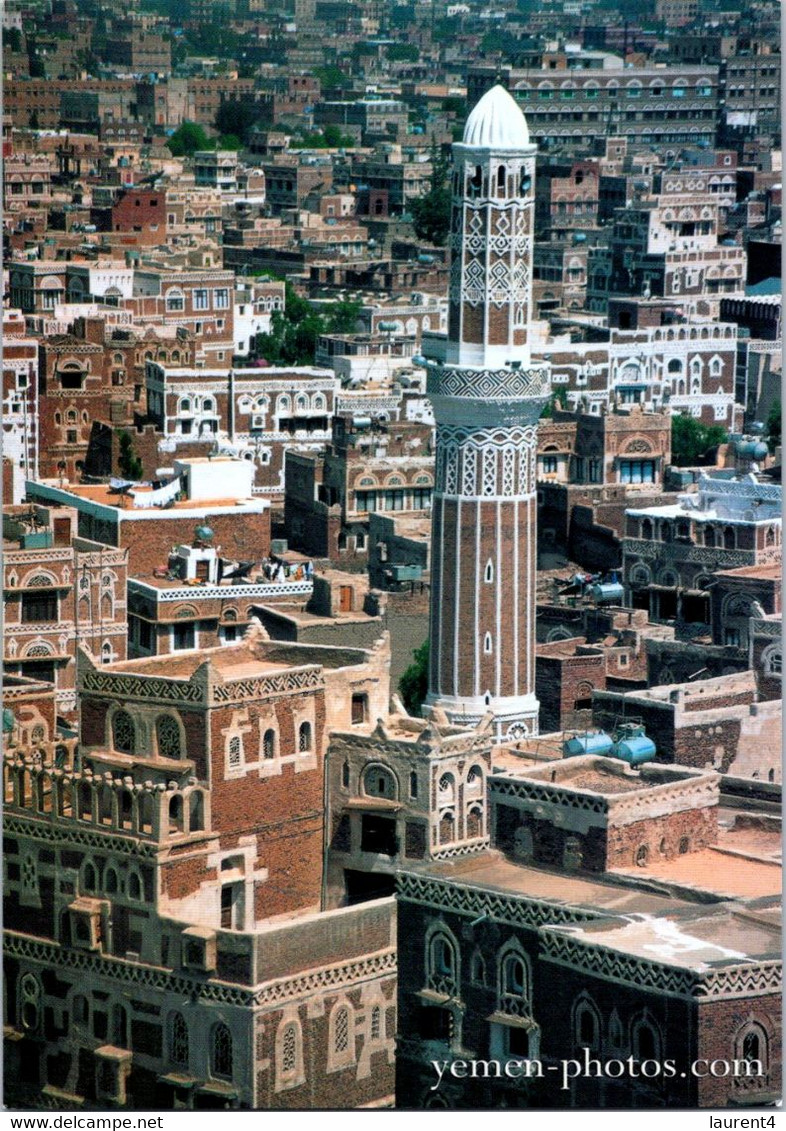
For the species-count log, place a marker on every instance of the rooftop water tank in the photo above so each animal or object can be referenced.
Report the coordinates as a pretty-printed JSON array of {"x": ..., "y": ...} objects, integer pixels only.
[
  {"x": 596, "y": 743},
  {"x": 608, "y": 593},
  {"x": 203, "y": 534},
  {"x": 635, "y": 750}
]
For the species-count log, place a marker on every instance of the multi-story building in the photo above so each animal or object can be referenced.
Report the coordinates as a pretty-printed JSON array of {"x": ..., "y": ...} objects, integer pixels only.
[
  {"x": 20, "y": 402},
  {"x": 200, "y": 300},
  {"x": 626, "y": 446},
  {"x": 199, "y": 599},
  {"x": 212, "y": 492},
  {"x": 526, "y": 954},
  {"x": 256, "y": 414},
  {"x": 163, "y": 935},
  {"x": 664, "y": 108},
  {"x": 668, "y": 247},
  {"x": 671, "y": 554},
  {"x": 60, "y": 591}
]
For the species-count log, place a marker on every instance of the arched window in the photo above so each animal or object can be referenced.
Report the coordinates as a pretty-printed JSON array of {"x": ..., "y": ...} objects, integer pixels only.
[
  {"x": 178, "y": 1040},
  {"x": 375, "y": 1024},
  {"x": 487, "y": 644},
  {"x": 488, "y": 576},
  {"x": 304, "y": 738},
  {"x": 379, "y": 782},
  {"x": 345, "y": 774},
  {"x": 168, "y": 737},
  {"x": 110, "y": 881},
  {"x": 269, "y": 744},
  {"x": 235, "y": 752},
  {"x": 646, "y": 1044},
  {"x": 586, "y": 1025},
  {"x": 176, "y": 814},
  {"x": 442, "y": 964},
  {"x": 447, "y": 789},
  {"x": 134, "y": 886},
  {"x": 289, "y": 1053},
  {"x": 501, "y": 180},
  {"x": 89, "y": 882},
  {"x": 729, "y": 538},
  {"x": 478, "y": 969},
  {"x": 221, "y": 1052},
  {"x": 413, "y": 783},
  {"x": 342, "y": 1034},
  {"x": 123, "y": 733},
  {"x": 514, "y": 977}
]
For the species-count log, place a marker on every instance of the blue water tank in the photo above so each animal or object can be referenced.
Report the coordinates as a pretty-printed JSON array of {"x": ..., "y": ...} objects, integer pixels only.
[
  {"x": 635, "y": 750},
  {"x": 596, "y": 743},
  {"x": 608, "y": 593}
]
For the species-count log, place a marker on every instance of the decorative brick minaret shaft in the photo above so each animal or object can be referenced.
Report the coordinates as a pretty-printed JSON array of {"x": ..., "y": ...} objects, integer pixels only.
[{"x": 487, "y": 397}]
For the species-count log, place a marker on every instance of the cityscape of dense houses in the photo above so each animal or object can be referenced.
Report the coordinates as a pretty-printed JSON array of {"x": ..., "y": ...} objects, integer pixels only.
[{"x": 392, "y": 552}]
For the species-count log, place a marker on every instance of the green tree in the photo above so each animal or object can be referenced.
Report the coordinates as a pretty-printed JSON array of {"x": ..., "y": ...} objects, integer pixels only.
[
  {"x": 342, "y": 317},
  {"x": 431, "y": 213},
  {"x": 238, "y": 118},
  {"x": 12, "y": 39},
  {"x": 403, "y": 53},
  {"x": 130, "y": 465},
  {"x": 558, "y": 399},
  {"x": 692, "y": 441},
  {"x": 413, "y": 684},
  {"x": 774, "y": 425},
  {"x": 187, "y": 139},
  {"x": 330, "y": 77}
]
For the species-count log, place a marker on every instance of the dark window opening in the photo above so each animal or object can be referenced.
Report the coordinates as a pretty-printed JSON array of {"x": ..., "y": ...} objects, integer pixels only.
[{"x": 378, "y": 835}]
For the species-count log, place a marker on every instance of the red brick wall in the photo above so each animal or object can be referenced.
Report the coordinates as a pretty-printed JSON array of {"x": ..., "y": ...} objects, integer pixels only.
[{"x": 149, "y": 541}]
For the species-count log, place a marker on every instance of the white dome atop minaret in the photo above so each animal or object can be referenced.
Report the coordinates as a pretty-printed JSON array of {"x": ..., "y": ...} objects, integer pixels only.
[{"x": 496, "y": 122}]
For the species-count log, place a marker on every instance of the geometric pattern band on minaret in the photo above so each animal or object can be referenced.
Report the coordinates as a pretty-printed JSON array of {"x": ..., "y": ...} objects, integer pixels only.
[{"x": 487, "y": 396}]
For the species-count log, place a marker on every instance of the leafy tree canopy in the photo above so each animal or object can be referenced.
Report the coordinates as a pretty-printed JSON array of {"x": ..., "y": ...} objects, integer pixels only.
[
  {"x": 558, "y": 399},
  {"x": 774, "y": 425},
  {"x": 293, "y": 334},
  {"x": 403, "y": 53},
  {"x": 330, "y": 77},
  {"x": 187, "y": 139},
  {"x": 431, "y": 213},
  {"x": 413, "y": 684},
  {"x": 692, "y": 441},
  {"x": 235, "y": 118}
]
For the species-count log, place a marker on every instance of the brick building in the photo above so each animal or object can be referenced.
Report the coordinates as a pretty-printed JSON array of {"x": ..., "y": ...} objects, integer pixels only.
[
  {"x": 516, "y": 958},
  {"x": 20, "y": 403},
  {"x": 201, "y": 600},
  {"x": 659, "y": 107},
  {"x": 197, "y": 299},
  {"x": 368, "y": 466},
  {"x": 256, "y": 414},
  {"x": 671, "y": 553},
  {"x": 60, "y": 591},
  {"x": 149, "y": 521},
  {"x": 185, "y": 886},
  {"x": 719, "y": 723}
]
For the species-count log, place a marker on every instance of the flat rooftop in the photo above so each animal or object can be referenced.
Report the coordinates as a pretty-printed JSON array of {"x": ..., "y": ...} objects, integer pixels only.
[
  {"x": 495, "y": 872},
  {"x": 717, "y": 870},
  {"x": 695, "y": 940},
  {"x": 592, "y": 773},
  {"x": 232, "y": 663},
  {"x": 103, "y": 494}
]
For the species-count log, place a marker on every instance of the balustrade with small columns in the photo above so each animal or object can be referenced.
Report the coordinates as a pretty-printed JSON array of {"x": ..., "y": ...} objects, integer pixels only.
[{"x": 48, "y": 780}]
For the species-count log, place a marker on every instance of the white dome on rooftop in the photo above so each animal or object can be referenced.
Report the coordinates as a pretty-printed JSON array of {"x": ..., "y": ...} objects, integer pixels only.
[{"x": 496, "y": 122}]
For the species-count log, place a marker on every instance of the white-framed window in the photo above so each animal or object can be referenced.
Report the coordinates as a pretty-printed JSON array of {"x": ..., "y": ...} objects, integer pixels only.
[
  {"x": 221, "y": 298},
  {"x": 201, "y": 301},
  {"x": 175, "y": 301}
]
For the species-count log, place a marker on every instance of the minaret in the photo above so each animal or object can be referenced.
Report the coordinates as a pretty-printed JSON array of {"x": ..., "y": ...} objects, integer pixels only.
[{"x": 487, "y": 396}]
